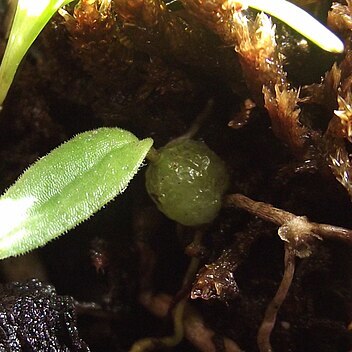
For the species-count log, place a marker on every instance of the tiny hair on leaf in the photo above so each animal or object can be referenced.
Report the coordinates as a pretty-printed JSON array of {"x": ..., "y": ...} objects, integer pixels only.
[{"x": 67, "y": 186}]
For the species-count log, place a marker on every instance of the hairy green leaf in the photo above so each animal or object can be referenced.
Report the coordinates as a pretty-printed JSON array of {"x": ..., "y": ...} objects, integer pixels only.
[{"x": 67, "y": 186}]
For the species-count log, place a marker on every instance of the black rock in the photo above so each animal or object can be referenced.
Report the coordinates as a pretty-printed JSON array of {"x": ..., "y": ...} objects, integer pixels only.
[{"x": 34, "y": 318}]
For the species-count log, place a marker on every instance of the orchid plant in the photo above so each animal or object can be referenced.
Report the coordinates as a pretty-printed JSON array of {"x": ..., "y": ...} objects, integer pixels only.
[{"x": 77, "y": 179}]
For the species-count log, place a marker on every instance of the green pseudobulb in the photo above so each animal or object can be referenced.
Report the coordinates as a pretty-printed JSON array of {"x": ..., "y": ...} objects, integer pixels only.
[{"x": 187, "y": 182}]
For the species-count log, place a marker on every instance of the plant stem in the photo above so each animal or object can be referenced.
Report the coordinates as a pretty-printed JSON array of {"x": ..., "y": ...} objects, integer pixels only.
[
  {"x": 196, "y": 125},
  {"x": 153, "y": 155}
]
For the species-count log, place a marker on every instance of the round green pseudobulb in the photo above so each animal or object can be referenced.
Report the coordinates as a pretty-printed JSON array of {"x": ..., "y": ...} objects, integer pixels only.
[{"x": 187, "y": 182}]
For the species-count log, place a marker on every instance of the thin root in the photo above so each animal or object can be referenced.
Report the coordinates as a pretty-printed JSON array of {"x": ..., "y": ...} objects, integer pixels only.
[
  {"x": 298, "y": 231},
  {"x": 268, "y": 323}
]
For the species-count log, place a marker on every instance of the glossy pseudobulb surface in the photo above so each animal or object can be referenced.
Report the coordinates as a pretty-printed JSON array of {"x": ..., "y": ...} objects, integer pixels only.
[{"x": 187, "y": 182}]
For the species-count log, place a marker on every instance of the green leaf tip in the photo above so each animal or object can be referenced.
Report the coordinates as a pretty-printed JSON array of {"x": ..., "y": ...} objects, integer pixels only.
[
  {"x": 67, "y": 186},
  {"x": 296, "y": 18},
  {"x": 30, "y": 18}
]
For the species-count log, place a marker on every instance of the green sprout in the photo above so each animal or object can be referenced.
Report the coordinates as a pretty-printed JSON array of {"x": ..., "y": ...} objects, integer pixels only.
[
  {"x": 296, "y": 18},
  {"x": 30, "y": 18}
]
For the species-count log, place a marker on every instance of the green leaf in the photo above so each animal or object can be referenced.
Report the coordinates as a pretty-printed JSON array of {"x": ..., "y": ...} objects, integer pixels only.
[
  {"x": 30, "y": 18},
  {"x": 67, "y": 186},
  {"x": 300, "y": 20}
]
